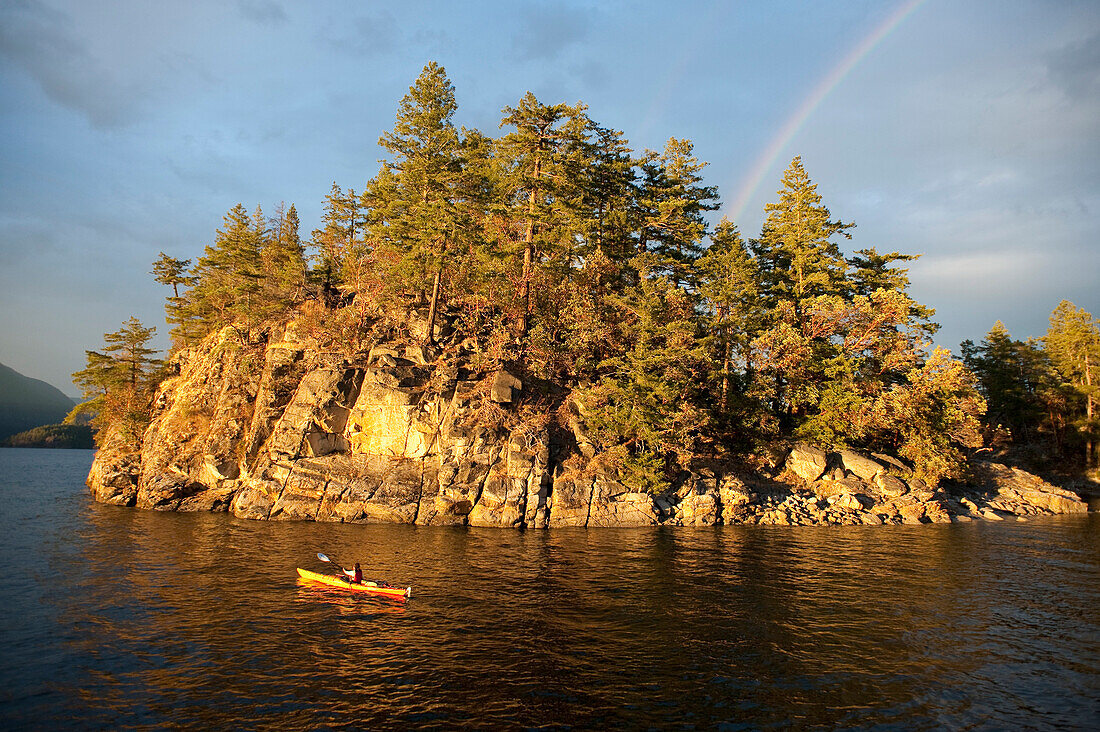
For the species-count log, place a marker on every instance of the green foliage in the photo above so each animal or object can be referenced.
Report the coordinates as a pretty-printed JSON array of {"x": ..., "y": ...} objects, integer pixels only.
[
  {"x": 673, "y": 204},
  {"x": 1018, "y": 381},
  {"x": 932, "y": 418},
  {"x": 1073, "y": 343},
  {"x": 418, "y": 197},
  {"x": 797, "y": 256},
  {"x": 649, "y": 398},
  {"x": 118, "y": 383},
  {"x": 174, "y": 273},
  {"x": 556, "y": 250}
]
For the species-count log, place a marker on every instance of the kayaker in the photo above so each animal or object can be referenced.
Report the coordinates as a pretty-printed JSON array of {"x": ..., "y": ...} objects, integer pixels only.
[{"x": 355, "y": 575}]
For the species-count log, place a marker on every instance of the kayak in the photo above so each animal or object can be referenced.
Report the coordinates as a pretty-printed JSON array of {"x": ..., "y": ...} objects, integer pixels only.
[{"x": 371, "y": 587}]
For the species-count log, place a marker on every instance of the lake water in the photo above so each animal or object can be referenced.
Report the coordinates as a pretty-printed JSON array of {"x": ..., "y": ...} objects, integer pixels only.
[{"x": 120, "y": 618}]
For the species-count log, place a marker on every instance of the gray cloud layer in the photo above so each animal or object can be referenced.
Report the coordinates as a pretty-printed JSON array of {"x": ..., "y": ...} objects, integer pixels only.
[{"x": 970, "y": 134}]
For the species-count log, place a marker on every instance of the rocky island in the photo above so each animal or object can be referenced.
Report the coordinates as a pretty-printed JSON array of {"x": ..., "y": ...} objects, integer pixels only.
[
  {"x": 291, "y": 432},
  {"x": 543, "y": 330}
]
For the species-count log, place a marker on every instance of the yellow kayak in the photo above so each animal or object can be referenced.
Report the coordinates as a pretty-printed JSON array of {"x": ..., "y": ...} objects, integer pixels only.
[{"x": 397, "y": 593}]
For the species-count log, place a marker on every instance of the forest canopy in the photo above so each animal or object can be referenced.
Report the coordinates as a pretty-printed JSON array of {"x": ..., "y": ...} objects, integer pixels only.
[{"x": 557, "y": 250}]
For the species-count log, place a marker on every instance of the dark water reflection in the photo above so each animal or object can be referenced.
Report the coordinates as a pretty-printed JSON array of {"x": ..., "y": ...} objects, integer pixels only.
[{"x": 122, "y": 618}]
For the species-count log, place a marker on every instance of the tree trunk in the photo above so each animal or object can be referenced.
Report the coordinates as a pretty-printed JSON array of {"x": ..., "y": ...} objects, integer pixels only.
[
  {"x": 430, "y": 337},
  {"x": 725, "y": 330},
  {"x": 528, "y": 251},
  {"x": 1090, "y": 461}
]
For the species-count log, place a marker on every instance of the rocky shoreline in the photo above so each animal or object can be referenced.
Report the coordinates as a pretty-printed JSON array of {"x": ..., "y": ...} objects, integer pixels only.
[{"x": 286, "y": 431}]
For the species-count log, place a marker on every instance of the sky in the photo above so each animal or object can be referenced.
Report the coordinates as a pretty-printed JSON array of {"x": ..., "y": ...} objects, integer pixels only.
[{"x": 966, "y": 132}]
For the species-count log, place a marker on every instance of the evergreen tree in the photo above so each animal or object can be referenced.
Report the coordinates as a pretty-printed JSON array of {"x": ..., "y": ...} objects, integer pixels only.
[
  {"x": 647, "y": 407},
  {"x": 118, "y": 382},
  {"x": 729, "y": 286},
  {"x": 1013, "y": 377},
  {"x": 341, "y": 228},
  {"x": 674, "y": 202},
  {"x": 608, "y": 215},
  {"x": 174, "y": 273},
  {"x": 284, "y": 258},
  {"x": 229, "y": 280},
  {"x": 797, "y": 255},
  {"x": 1073, "y": 342},
  {"x": 424, "y": 174},
  {"x": 538, "y": 153}
]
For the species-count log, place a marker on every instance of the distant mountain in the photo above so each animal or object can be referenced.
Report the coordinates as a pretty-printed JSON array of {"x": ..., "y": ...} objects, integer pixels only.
[{"x": 27, "y": 403}]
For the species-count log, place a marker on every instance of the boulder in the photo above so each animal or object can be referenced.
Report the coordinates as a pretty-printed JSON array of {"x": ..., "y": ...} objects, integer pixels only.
[
  {"x": 852, "y": 501},
  {"x": 859, "y": 465},
  {"x": 389, "y": 420},
  {"x": 826, "y": 488},
  {"x": 506, "y": 388},
  {"x": 570, "y": 500},
  {"x": 1013, "y": 485},
  {"x": 936, "y": 512},
  {"x": 255, "y": 499},
  {"x": 697, "y": 510},
  {"x": 625, "y": 509},
  {"x": 890, "y": 486},
  {"x": 325, "y": 443},
  {"x": 892, "y": 463},
  {"x": 807, "y": 462},
  {"x": 913, "y": 513},
  {"x": 113, "y": 478}
]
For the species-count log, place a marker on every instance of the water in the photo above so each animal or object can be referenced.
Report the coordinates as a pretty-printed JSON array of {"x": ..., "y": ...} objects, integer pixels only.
[{"x": 119, "y": 618}]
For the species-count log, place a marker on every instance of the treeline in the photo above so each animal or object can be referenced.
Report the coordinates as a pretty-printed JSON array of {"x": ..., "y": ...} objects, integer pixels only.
[
  {"x": 62, "y": 436},
  {"x": 558, "y": 250},
  {"x": 1043, "y": 392}
]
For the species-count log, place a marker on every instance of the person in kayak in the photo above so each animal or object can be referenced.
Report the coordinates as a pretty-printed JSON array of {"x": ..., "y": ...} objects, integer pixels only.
[{"x": 355, "y": 576}]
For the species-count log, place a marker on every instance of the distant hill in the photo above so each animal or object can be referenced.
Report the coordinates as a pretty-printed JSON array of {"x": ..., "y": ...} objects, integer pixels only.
[
  {"x": 26, "y": 403},
  {"x": 68, "y": 436}
]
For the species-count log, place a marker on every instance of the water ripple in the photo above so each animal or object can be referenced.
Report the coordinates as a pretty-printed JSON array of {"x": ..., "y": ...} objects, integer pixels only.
[{"x": 136, "y": 620}]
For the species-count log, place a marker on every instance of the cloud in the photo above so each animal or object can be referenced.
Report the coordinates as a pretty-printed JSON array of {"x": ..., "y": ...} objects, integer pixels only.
[
  {"x": 264, "y": 12},
  {"x": 1075, "y": 68},
  {"x": 43, "y": 42},
  {"x": 547, "y": 31},
  {"x": 366, "y": 35},
  {"x": 981, "y": 273}
]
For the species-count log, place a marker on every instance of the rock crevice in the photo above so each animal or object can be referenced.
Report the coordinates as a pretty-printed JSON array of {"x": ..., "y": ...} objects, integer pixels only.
[{"x": 284, "y": 431}]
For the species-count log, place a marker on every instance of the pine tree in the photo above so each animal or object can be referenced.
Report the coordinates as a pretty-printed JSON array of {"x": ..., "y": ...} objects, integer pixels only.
[
  {"x": 341, "y": 227},
  {"x": 607, "y": 218},
  {"x": 674, "y": 203},
  {"x": 647, "y": 406},
  {"x": 1015, "y": 378},
  {"x": 729, "y": 286},
  {"x": 174, "y": 273},
  {"x": 798, "y": 258},
  {"x": 283, "y": 257},
  {"x": 118, "y": 383},
  {"x": 425, "y": 172},
  {"x": 538, "y": 153},
  {"x": 1073, "y": 342}
]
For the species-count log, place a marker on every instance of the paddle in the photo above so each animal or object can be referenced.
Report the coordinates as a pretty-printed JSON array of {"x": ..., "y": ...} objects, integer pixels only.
[
  {"x": 339, "y": 565},
  {"x": 325, "y": 558}
]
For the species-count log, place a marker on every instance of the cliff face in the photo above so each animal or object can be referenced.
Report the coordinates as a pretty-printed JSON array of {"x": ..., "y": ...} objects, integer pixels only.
[{"x": 286, "y": 431}]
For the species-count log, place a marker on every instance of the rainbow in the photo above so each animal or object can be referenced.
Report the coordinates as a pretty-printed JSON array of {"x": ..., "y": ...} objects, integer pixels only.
[{"x": 831, "y": 81}]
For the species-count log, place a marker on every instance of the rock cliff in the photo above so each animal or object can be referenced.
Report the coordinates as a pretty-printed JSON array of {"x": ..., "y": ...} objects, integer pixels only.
[{"x": 284, "y": 430}]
